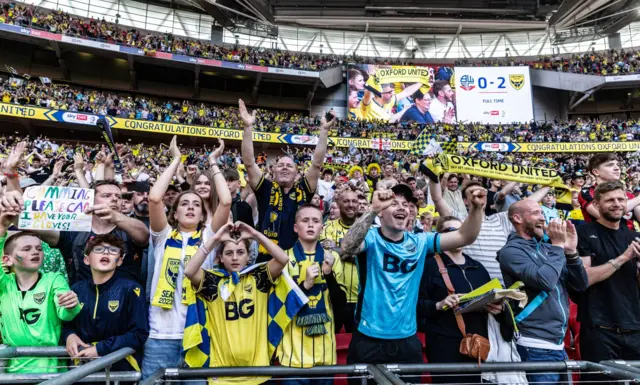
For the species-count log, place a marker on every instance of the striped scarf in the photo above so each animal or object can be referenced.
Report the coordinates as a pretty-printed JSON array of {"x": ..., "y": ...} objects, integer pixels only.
[{"x": 168, "y": 279}]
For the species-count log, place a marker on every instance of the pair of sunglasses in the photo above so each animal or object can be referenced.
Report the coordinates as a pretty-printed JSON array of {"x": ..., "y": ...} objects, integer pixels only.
[{"x": 448, "y": 230}]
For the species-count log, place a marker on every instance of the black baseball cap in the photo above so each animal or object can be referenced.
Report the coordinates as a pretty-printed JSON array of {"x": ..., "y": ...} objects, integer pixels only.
[
  {"x": 139, "y": 187},
  {"x": 405, "y": 191},
  {"x": 576, "y": 175}
]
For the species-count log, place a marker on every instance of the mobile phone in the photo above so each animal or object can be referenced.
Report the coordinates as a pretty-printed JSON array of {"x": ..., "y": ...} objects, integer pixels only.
[{"x": 329, "y": 116}]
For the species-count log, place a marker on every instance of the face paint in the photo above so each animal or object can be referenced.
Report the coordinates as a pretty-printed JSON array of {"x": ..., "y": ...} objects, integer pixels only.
[{"x": 19, "y": 258}]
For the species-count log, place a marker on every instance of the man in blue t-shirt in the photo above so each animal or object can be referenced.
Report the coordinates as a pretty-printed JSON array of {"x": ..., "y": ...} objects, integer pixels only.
[
  {"x": 390, "y": 262},
  {"x": 419, "y": 112}
]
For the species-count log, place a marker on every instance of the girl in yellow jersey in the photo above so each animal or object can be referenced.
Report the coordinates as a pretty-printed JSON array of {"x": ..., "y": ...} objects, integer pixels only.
[{"x": 237, "y": 298}]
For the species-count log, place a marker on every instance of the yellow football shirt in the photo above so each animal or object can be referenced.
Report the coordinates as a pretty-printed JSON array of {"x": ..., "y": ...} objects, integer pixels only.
[
  {"x": 375, "y": 111},
  {"x": 297, "y": 349},
  {"x": 335, "y": 230},
  {"x": 238, "y": 326}
]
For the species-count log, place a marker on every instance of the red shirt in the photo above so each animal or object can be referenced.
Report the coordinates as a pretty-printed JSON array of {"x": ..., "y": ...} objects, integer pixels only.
[{"x": 586, "y": 198}]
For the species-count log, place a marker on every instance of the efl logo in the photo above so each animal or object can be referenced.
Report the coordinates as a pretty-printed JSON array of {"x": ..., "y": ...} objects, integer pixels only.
[
  {"x": 467, "y": 82},
  {"x": 495, "y": 113}
]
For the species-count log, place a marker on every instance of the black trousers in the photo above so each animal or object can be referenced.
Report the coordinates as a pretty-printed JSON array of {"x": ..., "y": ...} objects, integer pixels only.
[
  {"x": 368, "y": 350},
  {"x": 598, "y": 344},
  {"x": 345, "y": 318}
]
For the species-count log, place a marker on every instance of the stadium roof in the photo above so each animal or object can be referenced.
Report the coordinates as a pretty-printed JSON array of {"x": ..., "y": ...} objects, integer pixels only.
[{"x": 567, "y": 18}]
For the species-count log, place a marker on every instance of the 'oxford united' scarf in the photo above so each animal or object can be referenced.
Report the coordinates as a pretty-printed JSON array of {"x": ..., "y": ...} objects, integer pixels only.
[{"x": 168, "y": 279}]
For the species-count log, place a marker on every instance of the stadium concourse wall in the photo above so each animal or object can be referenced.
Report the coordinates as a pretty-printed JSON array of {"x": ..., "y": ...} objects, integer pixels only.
[{"x": 69, "y": 119}]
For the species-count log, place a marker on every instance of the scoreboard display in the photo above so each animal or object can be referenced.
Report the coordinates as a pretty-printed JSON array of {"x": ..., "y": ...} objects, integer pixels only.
[{"x": 493, "y": 95}]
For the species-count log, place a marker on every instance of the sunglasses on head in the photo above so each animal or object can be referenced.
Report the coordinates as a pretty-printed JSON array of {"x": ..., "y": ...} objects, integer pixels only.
[{"x": 448, "y": 230}]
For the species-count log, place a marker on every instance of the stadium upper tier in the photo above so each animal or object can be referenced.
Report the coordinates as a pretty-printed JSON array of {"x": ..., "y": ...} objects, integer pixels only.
[
  {"x": 144, "y": 108},
  {"x": 607, "y": 62}
]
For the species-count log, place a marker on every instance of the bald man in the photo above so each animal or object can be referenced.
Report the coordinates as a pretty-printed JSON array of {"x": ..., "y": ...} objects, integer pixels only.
[{"x": 547, "y": 270}]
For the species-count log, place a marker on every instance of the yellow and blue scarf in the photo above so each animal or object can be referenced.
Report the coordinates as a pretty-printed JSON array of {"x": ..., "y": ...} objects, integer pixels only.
[
  {"x": 313, "y": 315},
  {"x": 285, "y": 300},
  {"x": 271, "y": 227},
  {"x": 168, "y": 279}
]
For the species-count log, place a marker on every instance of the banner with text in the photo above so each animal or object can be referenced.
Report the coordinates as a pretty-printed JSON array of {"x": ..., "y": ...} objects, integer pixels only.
[
  {"x": 38, "y": 113},
  {"x": 56, "y": 208}
]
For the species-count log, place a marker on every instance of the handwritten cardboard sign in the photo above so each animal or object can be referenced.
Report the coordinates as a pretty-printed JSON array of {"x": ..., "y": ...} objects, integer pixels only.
[{"x": 56, "y": 208}]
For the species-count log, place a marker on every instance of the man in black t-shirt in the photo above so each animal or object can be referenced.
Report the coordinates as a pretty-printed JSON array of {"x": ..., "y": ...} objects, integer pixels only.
[
  {"x": 40, "y": 168},
  {"x": 278, "y": 200},
  {"x": 240, "y": 210},
  {"x": 609, "y": 310}
]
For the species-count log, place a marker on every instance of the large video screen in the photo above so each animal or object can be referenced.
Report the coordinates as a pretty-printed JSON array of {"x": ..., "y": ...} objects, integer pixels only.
[
  {"x": 493, "y": 95},
  {"x": 398, "y": 94}
]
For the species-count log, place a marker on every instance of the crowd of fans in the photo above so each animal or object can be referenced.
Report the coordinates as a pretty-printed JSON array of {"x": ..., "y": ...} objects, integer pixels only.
[
  {"x": 609, "y": 62},
  {"x": 178, "y": 227},
  {"x": 141, "y": 107},
  {"x": 99, "y": 29}
]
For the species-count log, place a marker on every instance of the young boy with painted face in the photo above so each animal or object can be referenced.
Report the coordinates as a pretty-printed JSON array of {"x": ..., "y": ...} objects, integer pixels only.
[
  {"x": 114, "y": 310},
  {"x": 33, "y": 304}
]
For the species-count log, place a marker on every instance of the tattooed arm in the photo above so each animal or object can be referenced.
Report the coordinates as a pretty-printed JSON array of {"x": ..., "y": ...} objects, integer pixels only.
[{"x": 353, "y": 242}]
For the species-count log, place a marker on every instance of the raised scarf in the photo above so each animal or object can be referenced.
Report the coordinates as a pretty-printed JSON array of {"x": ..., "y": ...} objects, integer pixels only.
[
  {"x": 168, "y": 279},
  {"x": 313, "y": 315}
]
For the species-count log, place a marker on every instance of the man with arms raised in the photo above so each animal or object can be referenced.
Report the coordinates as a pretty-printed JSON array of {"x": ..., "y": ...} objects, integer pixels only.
[
  {"x": 278, "y": 200},
  {"x": 390, "y": 268}
]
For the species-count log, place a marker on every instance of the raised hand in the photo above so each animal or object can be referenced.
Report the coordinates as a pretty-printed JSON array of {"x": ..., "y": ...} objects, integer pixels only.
[
  {"x": 216, "y": 154},
  {"x": 381, "y": 200},
  {"x": 557, "y": 232},
  {"x": 104, "y": 212},
  {"x": 248, "y": 118},
  {"x": 57, "y": 168},
  {"x": 174, "y": 150},
  {"x": 324, "y": 124},
  {"x": 78, "y": 162},
  {"x": 15, "y": 157},
  {"x": 571, "y": 242},
  {"x": 246, "y": 231},
  {"x": 11, "y": 201},
  {"x": 478, "y": 197}
]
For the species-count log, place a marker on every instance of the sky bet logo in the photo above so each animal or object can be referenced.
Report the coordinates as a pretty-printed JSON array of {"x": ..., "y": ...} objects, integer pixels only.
[{"x": 467, "y": 82}]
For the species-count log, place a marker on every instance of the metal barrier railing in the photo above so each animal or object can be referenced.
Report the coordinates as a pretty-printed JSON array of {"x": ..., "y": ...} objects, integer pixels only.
[
  {"x": 87, "y": 372},
  {"x": 619, "y": 373},
  {"x": 354, "y": 372}
]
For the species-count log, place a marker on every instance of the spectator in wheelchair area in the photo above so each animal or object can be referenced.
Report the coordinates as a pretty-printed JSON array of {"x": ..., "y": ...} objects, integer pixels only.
[{"x": 114, "y": 310}]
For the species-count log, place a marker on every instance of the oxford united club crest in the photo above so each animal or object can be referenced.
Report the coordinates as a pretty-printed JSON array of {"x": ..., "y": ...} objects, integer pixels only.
[
  {"x": 172, "y": 272},
  {"x": 517, "y": 81}
]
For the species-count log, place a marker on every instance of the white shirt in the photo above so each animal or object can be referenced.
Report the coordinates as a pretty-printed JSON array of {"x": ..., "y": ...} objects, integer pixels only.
[
  {"x": 168, "y": 324},
  {"x": 493, "y": 236},
  {"x": 438, "y": 110}
]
